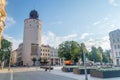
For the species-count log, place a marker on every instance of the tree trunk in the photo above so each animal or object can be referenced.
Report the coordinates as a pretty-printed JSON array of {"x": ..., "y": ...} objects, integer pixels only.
[
  {"x": 2, "y": 65},
  {"x": 33, "y": 63}
]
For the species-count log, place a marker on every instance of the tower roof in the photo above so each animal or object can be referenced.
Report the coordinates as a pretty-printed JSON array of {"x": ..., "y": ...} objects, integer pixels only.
[{"x": 33, "y": 14}]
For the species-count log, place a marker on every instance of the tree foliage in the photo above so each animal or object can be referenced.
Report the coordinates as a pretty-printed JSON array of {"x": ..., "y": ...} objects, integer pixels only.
[
  {"x": 98, "y": 55},
  {"x": 83, "y": 51},
  {"x": 34, "y": 60},
  {"x": 70, "y": 50},
  {"x": 106, "y": 56},
  {"x": 6, "y": 47}
]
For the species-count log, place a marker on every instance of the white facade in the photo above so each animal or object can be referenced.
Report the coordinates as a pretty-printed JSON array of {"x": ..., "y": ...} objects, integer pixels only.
[
  {"x": 53, "y": 52},
  {"x": 55, "y": 60},
  {"x": 31, "y": 39},
  {"x": 115, "y": 46},
  {"x": 54, "y": 55}
]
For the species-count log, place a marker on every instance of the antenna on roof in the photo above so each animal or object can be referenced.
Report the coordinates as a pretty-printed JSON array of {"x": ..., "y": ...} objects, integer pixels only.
[{"x": 34, "y": 4}]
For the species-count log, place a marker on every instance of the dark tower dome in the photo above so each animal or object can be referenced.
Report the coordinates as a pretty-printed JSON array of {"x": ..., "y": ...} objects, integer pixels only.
[{"x": 34, "y": 14}]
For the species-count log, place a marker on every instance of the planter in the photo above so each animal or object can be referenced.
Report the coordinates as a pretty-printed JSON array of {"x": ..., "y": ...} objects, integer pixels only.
[
  {"x": 80, "y": 71},
  {"x": 105, "y": 74},
  {"x": 67, "y": 69}
]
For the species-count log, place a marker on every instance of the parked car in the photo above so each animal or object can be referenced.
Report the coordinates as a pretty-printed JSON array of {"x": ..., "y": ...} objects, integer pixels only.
[{"x": 68, "y": 62}]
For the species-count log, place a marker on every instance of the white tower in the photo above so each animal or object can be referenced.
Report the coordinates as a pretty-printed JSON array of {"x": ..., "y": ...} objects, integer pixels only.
[{"x": 32, "y": 38}]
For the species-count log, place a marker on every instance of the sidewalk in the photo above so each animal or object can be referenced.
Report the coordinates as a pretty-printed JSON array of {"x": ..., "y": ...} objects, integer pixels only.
[
  {"x": 20, "y": 69},
  {"x": 4, "y": 71},
  {"x": 57, "y": 71}
]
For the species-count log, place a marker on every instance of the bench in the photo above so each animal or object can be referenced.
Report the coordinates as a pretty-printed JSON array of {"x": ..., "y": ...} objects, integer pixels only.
[{"x": 46, "y": 68}]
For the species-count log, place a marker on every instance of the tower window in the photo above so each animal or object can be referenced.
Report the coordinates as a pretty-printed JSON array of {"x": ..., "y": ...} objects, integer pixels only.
[
  {"x": 34, "y": 49},
  {"x": 118, "y": 46},
  {"x": 115, "y": 46},
  {"x": 113, "y": 40},
  {"x": 116, "y": 54},
  {"x": 118, "y": 39}
]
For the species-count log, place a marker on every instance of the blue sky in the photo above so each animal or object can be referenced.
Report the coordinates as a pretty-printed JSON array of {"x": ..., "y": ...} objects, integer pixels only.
[{"x": 88, "y": 21}]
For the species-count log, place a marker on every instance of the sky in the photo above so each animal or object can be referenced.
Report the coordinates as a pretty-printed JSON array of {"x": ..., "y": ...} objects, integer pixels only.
[{"x": 88, "y": 21}]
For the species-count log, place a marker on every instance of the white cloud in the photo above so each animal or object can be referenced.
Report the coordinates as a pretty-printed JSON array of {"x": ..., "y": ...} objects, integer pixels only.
[
  {"x": 51, "y": 39},
  {"x": 96, "y": 23},
  {"x": 70, "y": 36},
  {"x": 103, "y": 42},
  {"x": 107, "y": 24},
  {"x": 15, "y": 42},
  {"x": 9, "y": 21},
  {"x": 84, "y": 35},
  {"x": 101, "y": 21},
  {"x": 113, "y": 2},
  {"x": 104, "y": 20},
  {"x": 56, "y": 23}
]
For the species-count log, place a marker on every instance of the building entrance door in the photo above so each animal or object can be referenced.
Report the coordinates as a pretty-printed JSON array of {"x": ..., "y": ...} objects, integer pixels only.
[{"x": 118, "y": 62}]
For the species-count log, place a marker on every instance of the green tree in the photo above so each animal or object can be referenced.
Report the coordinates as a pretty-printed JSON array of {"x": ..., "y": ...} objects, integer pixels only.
[
  {"x": 75, "y": 51},
  {"x": 5, "y": 51},
  {"x": 100, "y": 49},
  {"x": 64, "y": 50},
  {"x": 69, "y": 50},
  {"x": 92, "y": 54},
  {"x": 106, "y": 56},
  {"x": 34, "y": 60},
  {"x": 95, "y": 55},
  {"x": 83, "y": 51},
  {"x": 99, "y": 56}
]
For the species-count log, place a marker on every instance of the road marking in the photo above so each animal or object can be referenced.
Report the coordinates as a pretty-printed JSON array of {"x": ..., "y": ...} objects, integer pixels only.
[{"x": 11, "y": 75}]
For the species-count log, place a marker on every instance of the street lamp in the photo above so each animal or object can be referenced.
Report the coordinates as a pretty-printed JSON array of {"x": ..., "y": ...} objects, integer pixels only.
[
  {"x": 53, "y": 58},
  {"x": 49, "y": 64},
  {"x": 86, "y": 78}
]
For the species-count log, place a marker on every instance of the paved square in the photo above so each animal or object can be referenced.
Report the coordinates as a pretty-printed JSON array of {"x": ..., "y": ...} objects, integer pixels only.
[{"x": 38, "y": 75}]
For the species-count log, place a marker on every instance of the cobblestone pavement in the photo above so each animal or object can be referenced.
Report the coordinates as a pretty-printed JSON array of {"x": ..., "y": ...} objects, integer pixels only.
[
  {"x": 4, "y": 76},
  {"x": 35, "y": 73},
  {"x": 30, "y": 74},
  {"x": 38, "y": 75}
]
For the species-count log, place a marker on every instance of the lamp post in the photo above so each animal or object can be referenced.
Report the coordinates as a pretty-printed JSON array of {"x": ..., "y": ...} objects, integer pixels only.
[
  {"x": 49, "y": 64},
  {"x": 86, "y": 78},
  {"x": 53, "y": 58}
]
